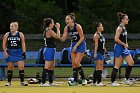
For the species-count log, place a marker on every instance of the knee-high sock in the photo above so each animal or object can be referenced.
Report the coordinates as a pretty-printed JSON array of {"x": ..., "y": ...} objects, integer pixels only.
[
  {"x": 75, "y": 74},
  {"x": 81, "y": 72},
  {"x": 99, "y": 76},
  {"x": 128, "y": 71},
  {"x": 95, "y": 76},
  {"x": 9, "y": 75},
  {"x": 44, "y": 74},
  {"x": 50, "y": 76},
  {"x": 114, "y": 74},
  {"x": 21, "y": 75}
]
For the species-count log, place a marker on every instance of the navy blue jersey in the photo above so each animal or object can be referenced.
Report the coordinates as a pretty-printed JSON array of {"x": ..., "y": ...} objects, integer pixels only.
[
  {"x": 123, "y": 35},
  {"x": 101, "y": 43},
  {"x": 49, "y": 42},
  {"x": 14, "y": 41},
  {"x": 74, "y": 34}
]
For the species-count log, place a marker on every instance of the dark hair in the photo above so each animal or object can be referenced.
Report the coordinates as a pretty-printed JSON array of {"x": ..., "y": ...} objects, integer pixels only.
[
  {"x": 97, "y": 24},
  {"x": 72, "y": 16},
  {"x": 120, "y": 16},
  {"x": 47, "y": 22}
]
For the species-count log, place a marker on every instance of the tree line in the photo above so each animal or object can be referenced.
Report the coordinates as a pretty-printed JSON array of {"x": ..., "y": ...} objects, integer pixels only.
[{"x": 30, "y": 13}]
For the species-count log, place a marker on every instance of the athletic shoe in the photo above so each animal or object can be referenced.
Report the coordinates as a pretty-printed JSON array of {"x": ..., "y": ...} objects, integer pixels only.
[
  {"x": 84, "y": 82},
  {"x": 72, "y": 83},
  {"x": 100, "y": 84},
  {"x": 93, "y": 84},
  {"x": 128, "y": 82},
  {"x": 45, "y": 85},
  {"x": 115, "y": 84},
  {"x": 23, "y": 84},
  {"x": 54, "y": 84},
  {"x": 8, "y": 84}
]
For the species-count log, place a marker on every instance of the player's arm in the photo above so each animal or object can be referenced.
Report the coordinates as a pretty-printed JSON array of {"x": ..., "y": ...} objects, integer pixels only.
[
  {"x": 4, "y": 44},
  {"x": 95, "y": 39},
  {"x": 80, "y": 31},
  {"x": 23, "y": 42},
  {"x": 64, "y": 36},
  {"x": 117, "y": 35},
  {"x": 57, "y": 34}
]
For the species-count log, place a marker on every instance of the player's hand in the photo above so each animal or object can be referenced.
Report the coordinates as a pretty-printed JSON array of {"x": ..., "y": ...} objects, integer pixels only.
[
  {"x": 57, "y": 25},
  {"x": 23, "y": 55},
  {"x": 95, "y": 55},
  {"x": 6, "y": 54},
  {"x": 74, "y": 48},
  {"x": 125, "y": 45}
]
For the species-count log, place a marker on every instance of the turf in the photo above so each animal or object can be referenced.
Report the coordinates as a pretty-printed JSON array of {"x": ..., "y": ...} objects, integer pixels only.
[{"x": 64, "y": 88}]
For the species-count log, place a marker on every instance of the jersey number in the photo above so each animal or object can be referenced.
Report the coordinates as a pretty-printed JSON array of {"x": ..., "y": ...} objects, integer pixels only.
[{"x": 13, "y": 43}]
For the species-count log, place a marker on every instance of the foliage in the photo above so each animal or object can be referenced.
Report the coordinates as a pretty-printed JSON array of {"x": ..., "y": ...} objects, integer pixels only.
[{"x": 30, "y": 13}]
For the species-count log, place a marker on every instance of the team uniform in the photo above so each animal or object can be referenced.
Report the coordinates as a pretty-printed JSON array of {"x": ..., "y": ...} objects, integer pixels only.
[
  {"x": 75, "y": 38},
  {"x": 50, "y": 48},
  {"x": 119, "y": 50},
  {"x": 14, "y": 48},
  {"x": 101, "y": 48}
]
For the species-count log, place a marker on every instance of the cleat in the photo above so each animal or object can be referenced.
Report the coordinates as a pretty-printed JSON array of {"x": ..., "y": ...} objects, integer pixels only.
[
  {"x": 128, "y": 82},
  {"x": 93, "y": 84},
  {"x": 54, "y": 84},
  {"x": 72, "y": 83},
  {"x": 100, "y": 84},
  {"x": 8, "y": 84},
  {"x": 45, "y": 85},
  {"x": 23, "y": 84},
  {"x": 84, "y": 82},
  {"x": 115, "y": 84}
]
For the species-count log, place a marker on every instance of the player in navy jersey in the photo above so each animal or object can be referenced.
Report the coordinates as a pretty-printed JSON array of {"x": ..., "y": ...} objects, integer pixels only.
[
  {"x": 50, "y": 47},
  {"x": 14, "y": 50},
  {"x": 121, "y": 50},
  {"x": 78, "y": 47},
  {"x": 99, "y": 51}
]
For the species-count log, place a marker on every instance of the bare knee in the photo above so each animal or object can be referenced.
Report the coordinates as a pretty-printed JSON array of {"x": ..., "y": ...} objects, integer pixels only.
[
  {"x": 131, "y": 63},
  {"x": 21, "y": 67},
  {"x": 99, "y": 67},
  {"x": 10, "y": 67}
]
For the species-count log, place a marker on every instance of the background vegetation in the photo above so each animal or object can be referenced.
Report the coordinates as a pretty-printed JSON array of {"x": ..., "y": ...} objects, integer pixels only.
[{"x": 30, "y": 13}]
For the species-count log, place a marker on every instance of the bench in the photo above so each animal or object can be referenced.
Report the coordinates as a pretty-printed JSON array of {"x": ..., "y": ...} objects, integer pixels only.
[{"x": 33, "y": 55}]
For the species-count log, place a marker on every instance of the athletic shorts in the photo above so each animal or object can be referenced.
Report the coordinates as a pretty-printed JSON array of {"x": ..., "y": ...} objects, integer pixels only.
[
  {"x": 49, "y": 54},
  {"x": 100, "y": 56},
  {"x": 80, "y": 48},
  {"x": 119, "y": 50},
  {"x": 15, "y": 55}
]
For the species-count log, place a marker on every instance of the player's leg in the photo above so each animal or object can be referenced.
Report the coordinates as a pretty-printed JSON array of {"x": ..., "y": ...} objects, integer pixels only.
[
  {"x": 78, "y": 59},
  {"x": 130, "y": 62},
  {"x": 10, "y": 73},
  {"x": 21, "y": 72},
  {"x": 118, "y": 62}
]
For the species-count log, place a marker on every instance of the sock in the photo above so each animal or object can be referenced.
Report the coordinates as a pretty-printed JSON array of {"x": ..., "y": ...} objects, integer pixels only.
[
  {"x": 81, "y": 72},
  {"x": 114, "y": 74},
  {"x": 44, "y": 74},
  {"x": 53, "y": 75},
  {"x": 75, "y": 74},
  {"x": 21, "y": 75},
  {"x": 128, "y": 71},
  {"x": 50, "y": 76},
  {"x": 9, "y": 75},
  {"x": 95, "y": 76},
  {"x": 99, "y": 76}
]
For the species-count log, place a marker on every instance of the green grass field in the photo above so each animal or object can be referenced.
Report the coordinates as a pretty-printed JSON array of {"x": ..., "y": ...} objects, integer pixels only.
[{"x": 64, "y": 88}]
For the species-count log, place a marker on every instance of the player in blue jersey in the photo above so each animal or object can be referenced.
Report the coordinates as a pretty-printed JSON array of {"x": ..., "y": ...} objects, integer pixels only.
[
  {"x": 14, "y": 50},
  {"x": 121, "y": 50},
  {"x": 99, "y": 51},
  {"x": 78, "y": 46},
  {"x": 49, "y": 51}
]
